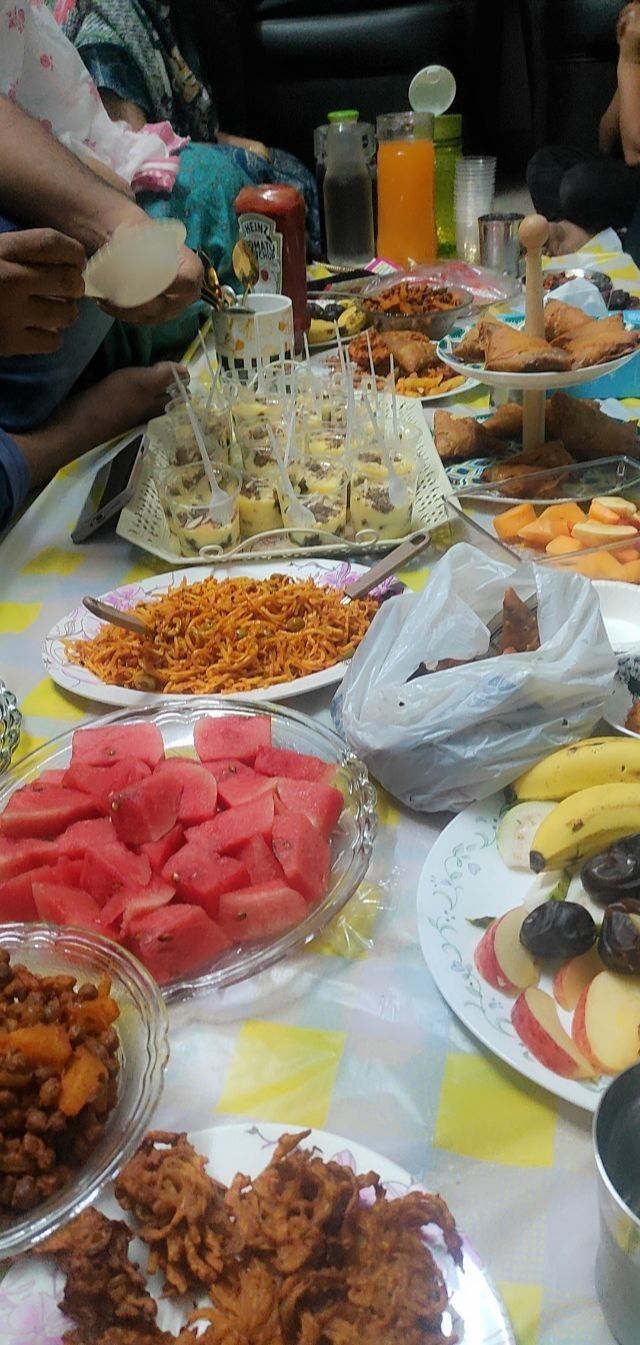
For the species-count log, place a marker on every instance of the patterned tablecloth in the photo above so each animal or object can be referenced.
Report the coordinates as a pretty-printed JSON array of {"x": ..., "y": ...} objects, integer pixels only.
[{"x": 352, "y": 1037}]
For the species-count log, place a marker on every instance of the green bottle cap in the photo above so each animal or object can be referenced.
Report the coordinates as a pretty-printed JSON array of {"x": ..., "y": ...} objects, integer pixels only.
[{"x": 350, "y": 115}]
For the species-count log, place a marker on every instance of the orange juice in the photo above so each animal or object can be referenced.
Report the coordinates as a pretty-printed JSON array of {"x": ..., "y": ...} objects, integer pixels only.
[{"x": 406, "y": 206}]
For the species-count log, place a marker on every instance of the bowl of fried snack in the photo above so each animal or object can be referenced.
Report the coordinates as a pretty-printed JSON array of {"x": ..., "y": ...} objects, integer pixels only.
[
  {"x": 408, "y": 302},
  {"x": 83, "y": 1048}
]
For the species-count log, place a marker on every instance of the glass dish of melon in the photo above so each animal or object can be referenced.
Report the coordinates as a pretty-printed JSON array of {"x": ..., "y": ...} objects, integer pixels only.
[{"x": 210, "y": 841}]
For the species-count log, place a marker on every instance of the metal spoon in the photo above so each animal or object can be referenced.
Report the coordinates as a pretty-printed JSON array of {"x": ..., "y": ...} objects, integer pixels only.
[
  {"x": 246, "y": 269},
  {"x": 105, "y": 612}
]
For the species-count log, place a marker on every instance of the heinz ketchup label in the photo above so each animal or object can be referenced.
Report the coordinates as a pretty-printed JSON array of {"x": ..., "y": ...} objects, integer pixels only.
[{"x": 266, "y": 240}]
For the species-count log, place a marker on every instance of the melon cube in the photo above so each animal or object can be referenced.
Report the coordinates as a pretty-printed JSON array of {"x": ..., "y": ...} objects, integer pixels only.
[
  {"x": 303, "y": 854},
  {"x": 146, "y": 811},
  {"x": 199, "y": 797},
  {"x": 104, "y": 746},
  {"x": 261, "y": 912},
  {"x": 223, "y": 736}
]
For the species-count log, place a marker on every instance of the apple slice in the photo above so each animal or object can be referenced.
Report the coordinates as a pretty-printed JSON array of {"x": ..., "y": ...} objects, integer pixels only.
[
  {"x": 625, "y": 508},
  {"x": 606, "y": 1022},
  {"x": 601, "y": 533},
  {"x": 500, "y": 957},
  {"x": 572, "y": 977},
  {"x": 535, "y": 1019}
]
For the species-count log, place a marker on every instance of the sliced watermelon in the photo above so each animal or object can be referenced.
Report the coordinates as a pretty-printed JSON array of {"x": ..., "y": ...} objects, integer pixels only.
[
  {"x": 232, "y": 829},
  {"x": 238, "y": 736},
  {"x": 261, "y": 911},
  {"x": 294, "y": 765},
  {"x": 52, "y": 777},
  {"x": 178, "y": 941},
  {"x": 158, "y": 852},
  {"x": 146, "y": 811},
  {"x": 44, "y": 810},
  {"x": 103, "y": 746},
  {"x": 105, "y": 871},
  {"x": 199, "y": 875},
  {"x": 228, "y": 766},
  {"x": 99, "y": 782},
  {"x": 303, "y": 853},
  {"x": 83, "y": 836},
  {"x": 260, "y": 862},
  {"x": 16, "y": 897},
  {"x": 322, "y": 804},
  {"x": 235, "y": 789},
  {"x": 132, "y": 898},
  {"x": 67, "y": 871},
  {"x": 66, "y": 906},
  {"x": 20, "y": 856},
  {"x": 199, "y": 797}
]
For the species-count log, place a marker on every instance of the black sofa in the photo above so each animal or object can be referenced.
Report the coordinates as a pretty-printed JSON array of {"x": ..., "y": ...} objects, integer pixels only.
[{"x": 571, "y": 57}]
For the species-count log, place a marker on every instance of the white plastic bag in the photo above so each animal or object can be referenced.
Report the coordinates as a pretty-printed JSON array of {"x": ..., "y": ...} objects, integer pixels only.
[{"x": 448, "y": 738}]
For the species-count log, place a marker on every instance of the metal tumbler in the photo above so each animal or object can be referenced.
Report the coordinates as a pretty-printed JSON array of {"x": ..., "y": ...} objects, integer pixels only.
[
  {"x": 616, "y": 1135},
  {"x": 500, "y": 242}
]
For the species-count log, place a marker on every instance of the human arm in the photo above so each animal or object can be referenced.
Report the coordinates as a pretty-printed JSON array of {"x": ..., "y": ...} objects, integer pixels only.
[
  {"x": 40, "y": 279},
  {"x": 15, "y": 478},
  {"x": 609, "y": 132},
  {"x": 628, "y": 34}
]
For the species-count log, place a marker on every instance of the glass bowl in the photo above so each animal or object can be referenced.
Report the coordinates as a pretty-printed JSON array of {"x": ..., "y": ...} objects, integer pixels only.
[
  {"x": 144, "y": 1052},
  {"x": 434, "y": 324},
  {"x": 10, "y": 722},
  {"x": 351, "y": 843}
]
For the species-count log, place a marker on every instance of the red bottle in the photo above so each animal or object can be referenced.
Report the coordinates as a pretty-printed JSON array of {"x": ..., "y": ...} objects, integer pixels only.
[{"x": 272, "y": 218}]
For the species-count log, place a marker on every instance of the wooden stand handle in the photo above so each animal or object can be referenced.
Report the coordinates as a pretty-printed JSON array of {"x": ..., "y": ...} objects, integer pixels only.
[{"x": 534, "y": 232}]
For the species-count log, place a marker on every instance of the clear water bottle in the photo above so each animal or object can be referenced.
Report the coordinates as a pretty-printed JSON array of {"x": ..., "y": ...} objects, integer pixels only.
[{"x": 348, "y": 197}]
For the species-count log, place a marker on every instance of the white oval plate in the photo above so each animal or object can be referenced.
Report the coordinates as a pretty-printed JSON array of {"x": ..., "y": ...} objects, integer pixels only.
[
  {"x": 321, "y": 358},
  {"x": 33, "y": 1284},
  {"x": 464, "y": 877},
  {"x": 79, "y": 625},
  {"x": 571, "y": 378}
]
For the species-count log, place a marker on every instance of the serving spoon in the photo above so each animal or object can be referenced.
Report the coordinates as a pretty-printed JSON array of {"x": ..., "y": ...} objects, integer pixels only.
[{"x": 105, "y": 612}]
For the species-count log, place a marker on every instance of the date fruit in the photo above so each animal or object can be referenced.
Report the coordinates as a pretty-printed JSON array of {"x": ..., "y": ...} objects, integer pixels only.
[
  {"x": 614, "y": 874},
  {"x": 558, "y": 929},
  {"x": 619, "y": 941}
]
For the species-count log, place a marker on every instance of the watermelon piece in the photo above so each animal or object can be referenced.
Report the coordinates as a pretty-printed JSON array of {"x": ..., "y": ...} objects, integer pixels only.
[
  {"x": 303, "y": 853},
  {"x": 260, "y": 862},
  {"x": 66, "y": 906},
  {"x": 237, "y": 736},
  {"x": 99, "y": 782},
  {"x": 52, "y": 777},
  {"x": 236, "y": 789},
  {"x": 104, "y": 746},
  {"x": 178, "y": 941},
  {"x": 83, "y": 836},
  {"x": 199, "y": 798},
  {"x": 132, "y": 898},
  {"x": 44, "y": 810},
  {"x": 199, "y": 875},
  {"x": 158, "y": 852},
  {"x": 294, "y": 765},
  {"x": 20, "y": 856},
  {"x": 16, "y": 897},
  {"x": 261, "y": 911},
  {"x": 228, "y": 766},
  {"x": 105, "y": 871},
  {"x": 67, "y": 871},
  {"x": 232, "y": 829},
  {"x": 322, "y": 804},
  {"x": 146, "y": 811}
]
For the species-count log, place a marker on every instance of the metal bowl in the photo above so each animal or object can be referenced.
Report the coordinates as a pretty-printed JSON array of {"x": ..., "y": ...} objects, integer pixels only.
[{"x": 434, "y": 324}]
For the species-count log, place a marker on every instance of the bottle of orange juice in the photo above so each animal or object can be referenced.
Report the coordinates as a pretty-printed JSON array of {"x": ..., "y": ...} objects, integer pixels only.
[{"x": 406, "y": 188}]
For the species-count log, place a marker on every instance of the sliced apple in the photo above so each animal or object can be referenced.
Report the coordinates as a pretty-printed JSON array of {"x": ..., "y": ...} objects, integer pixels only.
[
  {"x": 535, "y": 1019},
  {"x": 573, "y": 976},
  {"x": 601, "y": 533},
  {"x": 625, "y": 508},
  {"x": 606, "y": 1022},
  {"x": 500, "y": 957}
]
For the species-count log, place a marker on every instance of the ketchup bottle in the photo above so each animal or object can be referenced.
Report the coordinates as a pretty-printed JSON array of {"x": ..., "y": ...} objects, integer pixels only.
[{"x": 272, "y": 219}]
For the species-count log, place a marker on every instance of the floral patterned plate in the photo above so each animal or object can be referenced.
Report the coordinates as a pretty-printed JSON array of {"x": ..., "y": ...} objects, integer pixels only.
[
  {"x": 79, "y": 624},
  {"x": 32, "y": 1288},
  {"x": 464, "y": 878}
]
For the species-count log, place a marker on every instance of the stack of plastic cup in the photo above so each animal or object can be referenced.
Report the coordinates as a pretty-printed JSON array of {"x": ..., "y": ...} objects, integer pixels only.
[{"x": 473, "y": 196}]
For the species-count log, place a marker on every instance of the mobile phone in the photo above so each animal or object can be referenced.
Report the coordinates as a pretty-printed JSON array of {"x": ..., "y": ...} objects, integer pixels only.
[{"x": 112, "y": 488}]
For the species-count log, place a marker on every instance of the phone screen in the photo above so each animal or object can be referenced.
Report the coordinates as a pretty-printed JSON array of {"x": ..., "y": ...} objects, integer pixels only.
[{"x": 111, "y": 488}]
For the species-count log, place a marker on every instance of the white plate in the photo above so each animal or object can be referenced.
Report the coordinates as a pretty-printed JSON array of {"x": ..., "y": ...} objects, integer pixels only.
[
  {"x": 618, "y": 706},
  {"x": 320, "y": 358},
  {"x": 79, "y": 625},
  {"x": 464, "y": 877},
  {"x": 571, "y": 378},
  {"x": 620, "y": 610},
  {"x": 32, "y": 1287}
]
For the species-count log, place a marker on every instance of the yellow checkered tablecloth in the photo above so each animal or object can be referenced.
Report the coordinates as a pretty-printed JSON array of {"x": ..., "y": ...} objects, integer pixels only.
[{"x": 352, "y": 1036}]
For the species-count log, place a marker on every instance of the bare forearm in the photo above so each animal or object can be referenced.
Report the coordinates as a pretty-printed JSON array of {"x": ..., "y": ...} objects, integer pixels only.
[
  {"x": 42, "y": 183},
  {"x": 629, "y": 90}
]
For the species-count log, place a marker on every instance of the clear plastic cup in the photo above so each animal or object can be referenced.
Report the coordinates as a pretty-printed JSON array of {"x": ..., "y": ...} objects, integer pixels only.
[
  {"x": 259, "y": 506},
  {"x": 255, "y": 446},
  {"x": 215, "y": 422},
  {"x": 185, "y": 495},
  {"x": 322, "y": 487},
  {"x": 371, "y": 504},
  {"x": 369, "y": 459},
  {"x": 329, "y": 445}
]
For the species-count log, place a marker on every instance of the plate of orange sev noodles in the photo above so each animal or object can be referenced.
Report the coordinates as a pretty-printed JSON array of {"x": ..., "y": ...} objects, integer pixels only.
[{"x": 261, "y": 632}]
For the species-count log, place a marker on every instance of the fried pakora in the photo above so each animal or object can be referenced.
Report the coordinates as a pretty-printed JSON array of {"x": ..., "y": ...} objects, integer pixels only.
[
  {"x": 586, "y": 431},
  {"x": 103, "y": 1287},
  {"x": 511, "y": 350},
  {"x": 459, "y": 437}
]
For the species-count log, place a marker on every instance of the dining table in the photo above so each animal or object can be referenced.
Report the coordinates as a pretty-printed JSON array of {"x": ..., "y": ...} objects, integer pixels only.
[{"x": 351, "y": 1036}]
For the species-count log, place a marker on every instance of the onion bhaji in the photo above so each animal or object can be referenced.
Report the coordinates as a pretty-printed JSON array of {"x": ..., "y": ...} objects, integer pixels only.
[{"x": 307, "y": 1253}]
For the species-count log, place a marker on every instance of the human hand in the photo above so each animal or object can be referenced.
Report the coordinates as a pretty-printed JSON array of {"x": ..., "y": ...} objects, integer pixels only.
[
  {"x": 40, "y": 279},
  {"x": 628, "y": 33},
  {"x": 182, "y": 292}
]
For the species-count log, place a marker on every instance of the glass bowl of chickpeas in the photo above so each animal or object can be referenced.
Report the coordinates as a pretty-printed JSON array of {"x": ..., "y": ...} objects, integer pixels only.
[{"x": 83, "y": 1049}]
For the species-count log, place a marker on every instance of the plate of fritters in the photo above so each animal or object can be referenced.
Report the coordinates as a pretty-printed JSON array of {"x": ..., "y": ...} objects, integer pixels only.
[
  {"x": 502, "y": 354},
  {"x": 419, "y": 371},
  {"x": 294, "y": 1251}
]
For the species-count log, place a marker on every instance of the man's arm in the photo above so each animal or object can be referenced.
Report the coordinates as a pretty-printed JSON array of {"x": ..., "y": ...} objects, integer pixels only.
[{"x": 628, "y": 34}]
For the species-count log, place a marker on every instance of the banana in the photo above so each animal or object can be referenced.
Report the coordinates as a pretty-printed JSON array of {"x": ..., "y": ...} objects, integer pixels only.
[
  {"x": 592, "y": 761},
  {"x": 585, "y": 824}
]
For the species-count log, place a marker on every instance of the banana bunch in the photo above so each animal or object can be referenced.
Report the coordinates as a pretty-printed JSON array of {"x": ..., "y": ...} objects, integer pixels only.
[
  {"x": 582, "y": 766},
  {"x": 585, "y": 824}
]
